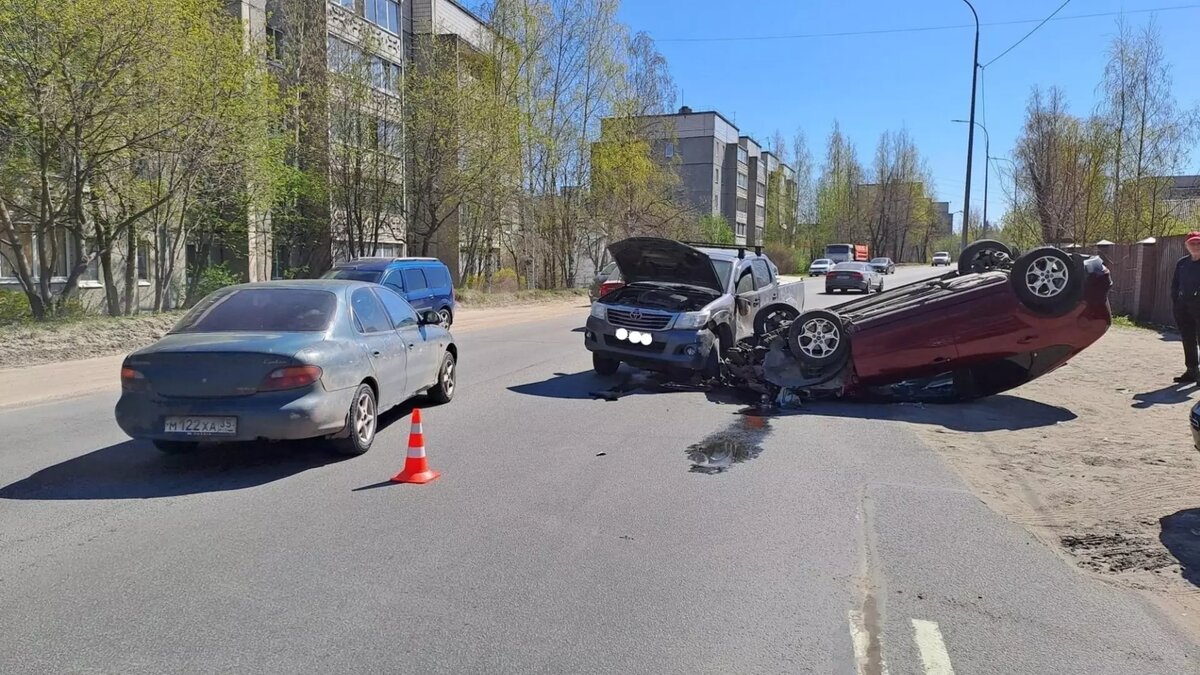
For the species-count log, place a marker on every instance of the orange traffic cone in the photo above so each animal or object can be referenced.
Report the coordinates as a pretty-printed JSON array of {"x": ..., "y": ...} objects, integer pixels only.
[{"x": 416, "y": 469}]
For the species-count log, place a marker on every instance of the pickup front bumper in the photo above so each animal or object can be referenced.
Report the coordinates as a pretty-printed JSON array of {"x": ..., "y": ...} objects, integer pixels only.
[{"x": 670, "y": 349}]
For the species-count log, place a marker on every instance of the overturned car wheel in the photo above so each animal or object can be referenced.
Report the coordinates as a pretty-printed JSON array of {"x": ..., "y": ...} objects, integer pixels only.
[
  {"x": 772, "y": 317},
  {"x": 983, "y": 255},
  {"x": 1048, "y": 280},
  {"x": 817, "y": 338}
]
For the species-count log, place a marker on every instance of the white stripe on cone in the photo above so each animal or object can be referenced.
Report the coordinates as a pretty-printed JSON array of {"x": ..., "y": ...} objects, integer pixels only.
[{"x": 416, "y": 452}]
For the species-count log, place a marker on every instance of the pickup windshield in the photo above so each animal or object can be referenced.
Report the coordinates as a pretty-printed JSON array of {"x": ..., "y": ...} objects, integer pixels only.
[{"x": 724, "y": 270}]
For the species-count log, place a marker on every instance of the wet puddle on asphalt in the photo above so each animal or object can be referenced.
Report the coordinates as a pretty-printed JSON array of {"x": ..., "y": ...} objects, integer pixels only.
[{"x": 740, "y": 442}]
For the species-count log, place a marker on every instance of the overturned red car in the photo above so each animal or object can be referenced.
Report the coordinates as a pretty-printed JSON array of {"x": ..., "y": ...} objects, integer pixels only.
[{"x": 995, "y": 323}]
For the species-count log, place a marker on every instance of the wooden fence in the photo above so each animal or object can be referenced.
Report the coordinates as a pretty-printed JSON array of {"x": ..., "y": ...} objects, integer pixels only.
[{"x": 1141, "y": 275}]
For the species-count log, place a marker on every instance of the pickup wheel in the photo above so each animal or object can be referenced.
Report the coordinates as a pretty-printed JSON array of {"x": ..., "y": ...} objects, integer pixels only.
[
  {"x": 772, "y": 317},
  {"x": 604, "y": 365},
  {"x": 817, "y": 338},
  {"x": 1048, "y": 281}
]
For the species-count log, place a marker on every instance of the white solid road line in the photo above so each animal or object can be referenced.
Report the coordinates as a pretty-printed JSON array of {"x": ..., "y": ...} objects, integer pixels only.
[
  {"x": 932, "y": 647},
  {"x": 862, "y": 647}
]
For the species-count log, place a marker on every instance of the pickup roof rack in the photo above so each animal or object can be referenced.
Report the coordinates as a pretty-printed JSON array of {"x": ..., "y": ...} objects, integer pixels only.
[{"x": 740, "y": 248}]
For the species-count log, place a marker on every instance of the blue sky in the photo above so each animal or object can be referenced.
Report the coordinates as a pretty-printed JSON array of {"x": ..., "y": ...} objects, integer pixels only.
[{"x": 916, "y": 80}]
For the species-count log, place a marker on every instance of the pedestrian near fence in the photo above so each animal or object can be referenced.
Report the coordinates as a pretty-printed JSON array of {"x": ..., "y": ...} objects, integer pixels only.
[{"x": 1185, "y": 296}]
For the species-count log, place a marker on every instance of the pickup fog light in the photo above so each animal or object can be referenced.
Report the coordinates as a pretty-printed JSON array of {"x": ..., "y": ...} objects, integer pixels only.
[
  {"x": 646, "y": 339},
  {"x": 622, "y": 334},
  {"x": 690, "y": 350},
  {"x": 634, "y": 336}
]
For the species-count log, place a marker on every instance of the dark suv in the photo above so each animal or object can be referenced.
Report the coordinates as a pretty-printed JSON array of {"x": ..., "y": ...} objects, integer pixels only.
[{"x": 424, "y": 282}]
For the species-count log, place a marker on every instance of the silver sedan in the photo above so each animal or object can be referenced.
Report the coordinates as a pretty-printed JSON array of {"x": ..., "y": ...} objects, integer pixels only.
[{"x": 285, "y": 360}]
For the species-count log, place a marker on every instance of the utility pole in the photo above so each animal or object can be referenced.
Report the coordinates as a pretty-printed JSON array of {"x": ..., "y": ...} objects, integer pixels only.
[
  {"x": 987, "y": 153},
  {"x": 970, "y": 128}
]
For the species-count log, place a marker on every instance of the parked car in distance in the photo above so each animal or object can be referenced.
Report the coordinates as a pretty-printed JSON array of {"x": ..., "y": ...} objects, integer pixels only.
[
  {"x": 606, "y": 280},
  {"x": 853, "y": 276},
  {"x": 284, "y": 360},
  {"x": 820, "y": 266},
  {"x": 883, "y": 265},
  {"x": 941, "y": 258},
  {"x": 682, "y": 306},
  {"x": 424, "y": 282}
]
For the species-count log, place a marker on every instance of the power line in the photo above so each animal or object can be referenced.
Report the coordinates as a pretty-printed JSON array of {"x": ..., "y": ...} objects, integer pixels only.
[
  {"x": 922, "y": 29},
  {"x": 1014, "y": 45}
]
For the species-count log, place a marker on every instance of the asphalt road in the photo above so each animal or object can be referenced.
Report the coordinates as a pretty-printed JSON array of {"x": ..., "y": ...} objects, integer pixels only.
[{"x": 662, "y": 532}]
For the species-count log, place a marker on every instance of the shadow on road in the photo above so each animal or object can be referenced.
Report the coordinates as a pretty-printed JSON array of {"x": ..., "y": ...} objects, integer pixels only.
[
  {"x": 1175, "y": 393},
  {"x": 588, "y": 385},
  {"x": 1180, "y": 534},
  {"x": 135, "y": 470},
  {"x": 994, "y": 413}
]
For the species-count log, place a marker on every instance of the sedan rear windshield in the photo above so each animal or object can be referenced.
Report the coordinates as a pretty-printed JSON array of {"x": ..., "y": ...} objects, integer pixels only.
[
  {"x": 261, "y": 310},
  {"x": 851, "y": 267},
  {"x": 352, "y": 274}
]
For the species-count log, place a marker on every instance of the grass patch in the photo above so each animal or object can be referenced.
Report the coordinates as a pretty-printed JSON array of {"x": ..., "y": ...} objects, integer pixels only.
[
  {"x": 1130, "y": 322},
  {"x": 474, "y": 298}
]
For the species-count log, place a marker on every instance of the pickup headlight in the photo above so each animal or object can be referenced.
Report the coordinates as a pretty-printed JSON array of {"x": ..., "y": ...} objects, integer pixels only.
[
  {"x": 598, "y": 311},
  {"x": 689, "y": 320}
]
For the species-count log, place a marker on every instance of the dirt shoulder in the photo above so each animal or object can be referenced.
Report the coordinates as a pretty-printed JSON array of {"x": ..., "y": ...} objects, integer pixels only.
[
  {"x": 1096, "y": 460},
  {"x": 80, "y": 358},
  {"x": 90, "y": 337}
]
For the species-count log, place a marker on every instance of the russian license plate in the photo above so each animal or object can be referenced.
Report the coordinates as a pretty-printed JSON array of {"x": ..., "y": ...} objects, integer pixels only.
[{"x": 200, "y": 426}]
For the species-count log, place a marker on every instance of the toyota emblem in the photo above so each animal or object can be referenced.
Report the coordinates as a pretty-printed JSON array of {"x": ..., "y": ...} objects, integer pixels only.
[{"x": 636, "y": 315}]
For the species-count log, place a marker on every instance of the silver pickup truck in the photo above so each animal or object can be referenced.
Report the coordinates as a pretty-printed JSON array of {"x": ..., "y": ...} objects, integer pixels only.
[{"x": 683, "y": 307}]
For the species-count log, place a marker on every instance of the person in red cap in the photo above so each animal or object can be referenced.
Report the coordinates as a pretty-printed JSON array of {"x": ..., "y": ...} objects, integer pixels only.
[{"x": 1185, "y": 294}]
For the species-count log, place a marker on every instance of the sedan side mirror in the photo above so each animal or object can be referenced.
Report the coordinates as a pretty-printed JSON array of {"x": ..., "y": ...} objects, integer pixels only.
[{"x": 430, "y": 318}]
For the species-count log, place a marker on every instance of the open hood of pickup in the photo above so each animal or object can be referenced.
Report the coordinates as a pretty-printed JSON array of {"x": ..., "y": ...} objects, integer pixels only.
[{"x": 664, "y": 260}]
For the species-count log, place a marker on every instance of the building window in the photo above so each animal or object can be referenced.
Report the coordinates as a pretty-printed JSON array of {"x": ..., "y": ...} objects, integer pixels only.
[
  {"x": 741, "y": 229},
  {"x": 389, "y": 250},
  {"x": 743, "y": 156},
  {"x": 348, "y": 4},
  {"x": 669, "y": 151},
  {"x": 275, "y": 43},
  {"x": 143, "y": 263},
  {"x": 389, "y": 136},
  {"x": 741, "y": 204},
  {"x": 760, "y": 215},
  {"x": 342, "y": 55},
  {"x": 742, "y": 182},
  {"x": 383, "y": 13},
  {"x": 385, "y": 75},
  {"x": 717, "y": 176}
]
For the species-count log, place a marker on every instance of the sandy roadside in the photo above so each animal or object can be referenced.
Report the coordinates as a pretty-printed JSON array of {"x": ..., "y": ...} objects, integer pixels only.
[
  {"x": 1096, "y": 460},
  {"x": 31, "y": 385}
]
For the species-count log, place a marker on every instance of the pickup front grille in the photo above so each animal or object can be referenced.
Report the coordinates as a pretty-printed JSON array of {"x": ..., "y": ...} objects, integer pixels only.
[
  {"x": 641, "y": 319},
  {"x": 652, "y": 348}
]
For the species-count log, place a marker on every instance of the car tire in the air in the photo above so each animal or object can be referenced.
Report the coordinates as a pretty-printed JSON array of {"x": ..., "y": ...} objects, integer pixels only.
[
  {"x": 175, "y": 447},
  {"x": 975, "y": 257},
  {"x": 443, "y": 391},
  {"x": 604, "y": 365},
  {"x": 817, "y": 338},
  {"x": 771, "y": 317},
  {"x": 362, "y": 424},
  {"x": 1048, "y": 280}
]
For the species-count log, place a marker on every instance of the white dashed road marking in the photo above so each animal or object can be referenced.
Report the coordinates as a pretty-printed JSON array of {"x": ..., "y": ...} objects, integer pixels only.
[{"x": 933, "y": 649}]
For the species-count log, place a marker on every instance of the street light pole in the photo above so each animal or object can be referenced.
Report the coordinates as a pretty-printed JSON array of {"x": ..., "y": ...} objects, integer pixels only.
[
  {"x": 987, "y": 153},
  {"x": 970, "y": 128}
]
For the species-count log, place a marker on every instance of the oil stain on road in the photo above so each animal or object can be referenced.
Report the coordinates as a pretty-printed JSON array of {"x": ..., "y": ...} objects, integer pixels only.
[{"x": 740, "y": 442}]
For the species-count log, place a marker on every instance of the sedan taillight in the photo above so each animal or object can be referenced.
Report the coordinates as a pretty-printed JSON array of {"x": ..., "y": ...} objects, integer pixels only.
[
  {"x": 610, "y": 286},
  {"x": 133, "y": 380},
  {"x": 292, "y": 377}
]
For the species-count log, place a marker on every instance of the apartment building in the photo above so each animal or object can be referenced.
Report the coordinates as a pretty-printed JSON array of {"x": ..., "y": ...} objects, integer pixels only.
[
  {"x": 721, "y": 171},
  {"x": 383, "y": 33}
]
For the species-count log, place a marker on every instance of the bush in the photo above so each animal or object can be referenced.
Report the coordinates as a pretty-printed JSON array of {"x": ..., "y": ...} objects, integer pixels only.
[
  {"x": 215, "y": 278},
  {"x": 788, "y": 259},
  {"x": 14, "y": 308},
  {"x": 505, "y": 281}
]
